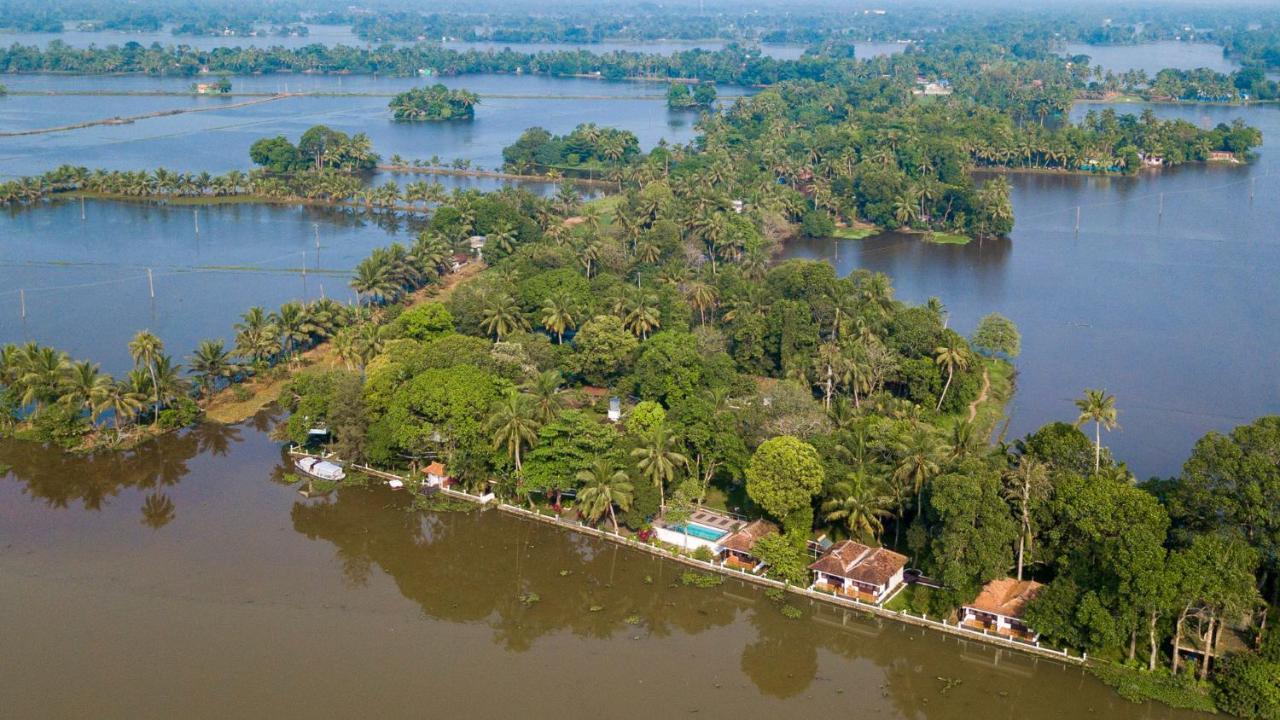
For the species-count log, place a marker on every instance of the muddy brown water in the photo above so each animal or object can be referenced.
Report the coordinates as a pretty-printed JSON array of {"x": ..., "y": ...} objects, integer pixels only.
[{"x": 185, "y": 579}]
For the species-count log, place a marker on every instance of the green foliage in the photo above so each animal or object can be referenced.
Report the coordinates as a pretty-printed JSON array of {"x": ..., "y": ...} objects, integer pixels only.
[
  {"x": 1063, "y": 447},
  {"x": 703, "y": 553},
  {"x": 179, "y": 413},
  {"x": 1248, "y": 686},
  {"x": 690, "y": 578},
  {"x": 424, "y": 322},
  {"x": 587, "y": 146},
  {"x": 783, "y": 476},
  {"x": 645, "y": 502},
  {"x": 603, "y": 350},
  {"x": 436, "y": 102},
  {"x": 59, "y": 425},
  {"x": 785, "y": 557},
  {"x": 997, "y": 336},
  {"x": 1137, "y": 686},
  {"x": 817, "y": 224},
  {"x": 645, "y": 416},
  {"x": 565, "y": 447}
]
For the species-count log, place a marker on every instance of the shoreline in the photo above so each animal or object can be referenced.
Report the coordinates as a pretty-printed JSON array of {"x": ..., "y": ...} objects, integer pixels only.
[
  {"x": 129, "y": 119},
  {"x": 497, "y": 174}
]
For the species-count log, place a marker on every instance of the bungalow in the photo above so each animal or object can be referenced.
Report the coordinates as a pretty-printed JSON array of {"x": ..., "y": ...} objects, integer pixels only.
[
  {"x": 853, "y": 569},
  {"x": 1222, "y": 156},
  {"x": 436, "y": 475},
  {"x": 458, "y": 261},
  {"x": 735, "y": 548},
  {"x": 1000, "y": 606},
  {"x": 477, "y": 243}
]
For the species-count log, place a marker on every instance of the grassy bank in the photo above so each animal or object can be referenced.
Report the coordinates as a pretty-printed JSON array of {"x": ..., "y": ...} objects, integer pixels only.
[{"x": 1137, "y": 686}]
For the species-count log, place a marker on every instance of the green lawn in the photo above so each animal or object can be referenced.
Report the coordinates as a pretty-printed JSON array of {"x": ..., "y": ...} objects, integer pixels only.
[
  {"x": 855, "y": 233},
  {"x": 945, "y": 238}
]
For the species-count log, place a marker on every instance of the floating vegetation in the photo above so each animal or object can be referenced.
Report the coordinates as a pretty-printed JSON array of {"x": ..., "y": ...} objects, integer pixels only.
[
  {"x": 596, "y": 608},
  {"x": 775, "y": 594},
  {"x": 632, "y": 620},
  {"x": 702, "y": 580},
  {"x": 792, "y": 612},
  {"x": 566, "y": 573},
  {"x": 529, "y": 599}
]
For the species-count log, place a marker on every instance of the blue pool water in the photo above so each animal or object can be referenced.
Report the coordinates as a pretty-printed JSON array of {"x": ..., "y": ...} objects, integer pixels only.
[{"x": 700, "y": 531}]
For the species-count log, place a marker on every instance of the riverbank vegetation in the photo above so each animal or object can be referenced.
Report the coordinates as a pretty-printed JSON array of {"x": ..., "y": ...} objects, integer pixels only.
[
  {"x": 680, "y": 97},
  {"x": 436, "y": 102}
]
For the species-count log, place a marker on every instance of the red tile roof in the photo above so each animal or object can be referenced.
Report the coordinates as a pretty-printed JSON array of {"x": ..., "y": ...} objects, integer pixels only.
[
  {"x": 435, "y": 468},
  {"x": 745, "y": 538},
  {"x": 855, "y": 561},
  {"x": 1006, "y": 596}
]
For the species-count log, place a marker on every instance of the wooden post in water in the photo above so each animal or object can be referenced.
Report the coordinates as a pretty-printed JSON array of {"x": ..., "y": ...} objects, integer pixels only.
[
  {"x": 197, "y": 216},
  {"x": 1253, "y": 185},
  {"x": 151, "y": 285},
  {"x": 1161, "y": 205},
  {"x": 22, "y": 300},
  {"x": 82, "y": 207},
  {"x": 1077, "y": 219}
]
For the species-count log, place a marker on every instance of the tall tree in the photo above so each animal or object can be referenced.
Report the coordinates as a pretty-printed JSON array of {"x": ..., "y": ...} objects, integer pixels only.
[{"x": 1098, "y": 408}]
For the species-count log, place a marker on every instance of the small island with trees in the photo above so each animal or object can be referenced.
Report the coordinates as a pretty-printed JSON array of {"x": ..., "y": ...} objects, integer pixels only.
[
  {"x": 434, "y": 103},
  {"x": 679, "y": 97}
]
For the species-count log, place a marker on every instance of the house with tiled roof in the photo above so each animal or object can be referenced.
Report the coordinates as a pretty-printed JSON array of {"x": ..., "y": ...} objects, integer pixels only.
[
  {"x": 736, "y": 547},
  {"x": 855, "y": 570},
  {"x": 1000, "y": 608}
]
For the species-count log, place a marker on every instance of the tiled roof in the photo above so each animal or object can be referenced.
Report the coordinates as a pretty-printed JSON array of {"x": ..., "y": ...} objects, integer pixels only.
[
  {"x": 745, "y": 539},
  {"x": 435, "y": 468},
  {"x": 1006, "y": 596},
  {"x": 855, "y": 561}
]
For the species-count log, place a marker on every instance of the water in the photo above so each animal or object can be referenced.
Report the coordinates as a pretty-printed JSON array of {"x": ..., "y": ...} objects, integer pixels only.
[
  {"x": 319, "y": 34},
  {"x": 219, "y": 140},
  {"x": 1178, "y": 316},
  {"x": 86, "y": 284},
  {"x": 1155, "y": 56},
  {"x": 699, "y": 531},
  {"x": 182, "y": 579}
]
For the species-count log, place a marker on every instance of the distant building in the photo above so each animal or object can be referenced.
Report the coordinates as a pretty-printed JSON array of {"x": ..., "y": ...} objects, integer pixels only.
[
  {"x": 1222, "y": 156},
  {"x": 459, "y": 261},
  {"x": 436, "y": 475},
  {"x": 615, "y": 409},
  {"x": 477, "y": 243},
  {"x": 735, "y": 548},
  {"x": 932, "y": 89}
]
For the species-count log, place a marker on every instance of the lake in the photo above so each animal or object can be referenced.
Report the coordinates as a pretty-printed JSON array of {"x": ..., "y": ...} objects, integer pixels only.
[
  {"x": 1177, "y": 315},
  {"x": 184, "y": 579},
  {"x": 219, "y": 140},
  {"x": 85, "y": 281},
  {"x": 1153, "y": 57}
]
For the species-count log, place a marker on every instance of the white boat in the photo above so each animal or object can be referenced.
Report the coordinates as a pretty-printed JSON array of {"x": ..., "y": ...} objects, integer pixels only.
[{"x": 319, "y": 469}]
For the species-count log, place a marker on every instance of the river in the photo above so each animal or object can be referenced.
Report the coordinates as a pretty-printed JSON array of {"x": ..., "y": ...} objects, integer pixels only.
[
  {"x": 183, "y": 579},
  {"x": 1177, "y": 315},
  {"x": 1153, "y": 57}
]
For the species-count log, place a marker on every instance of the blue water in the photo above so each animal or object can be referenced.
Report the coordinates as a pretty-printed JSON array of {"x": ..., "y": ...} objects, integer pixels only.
[{"x": 700, "y": 531}]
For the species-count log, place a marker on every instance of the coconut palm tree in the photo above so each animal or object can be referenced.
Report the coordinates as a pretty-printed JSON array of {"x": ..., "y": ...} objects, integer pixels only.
[
  {"x": 502, "y": 316},
  {"x": 514, "y": 426},
  {"x": 703, "y": 296},
  {"x": 85, "y": 387},
  {"x": 643, "y": 315},
  {"x": 950, "y": 357},
  {"x": 658, "y": 460},
  {"x": 1098, "y": 408},
  {"x": 123, "y": 403},
  {"x": 544, "y": 391},
  {"x": 209, "y": 362},
  {"x": 291, "y": 323},
  {"x": 1025, "y": 485},
  {"x": 146, "y": 350},
  {"x": 41, "y": 375},
  {"x": 919, "y": 458},
  {"x": 859, "y": 505},
  {"x": 603, "y": 487},
  {"x": 559, "y": 315}
]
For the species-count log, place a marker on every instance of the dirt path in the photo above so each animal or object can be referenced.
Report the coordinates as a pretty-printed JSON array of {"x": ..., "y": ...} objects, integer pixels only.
[
  {"x": 982, "y": 396},
  {"x": 226, "y": 409},
  {"x": 146, "y": 116}
]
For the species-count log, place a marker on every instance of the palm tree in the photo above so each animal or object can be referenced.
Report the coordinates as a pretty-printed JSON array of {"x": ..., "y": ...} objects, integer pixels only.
[
  {"x": 85, "y": 387},
  {"x": 291, "y": 323},
  {"x": 1026, "y": 484},
  {"x": 42, "y": 374},
  {"x": 702, "y": 296},
  {"x": 1098, "y": 408},
  {"x": 558, "y": 315},
  {"x": 919, "y": 459},
  {"x": 502, "y": 316},
  {"x": 146, "y": 349},
  {"x": 950, "y": 357},
  {"x": 643, "y": 316},
  {"x": 858, "y": 504},
  {"x": 603, "y": 487},
  {"x": 514, "y": 425},
  {"x": 209, "y": 362},
  {"x": 657, "y": 459},
  {"x": 168, "y": 379},
  {"x": 544, "y": 391},
  {"x": 123, "y": 403}
]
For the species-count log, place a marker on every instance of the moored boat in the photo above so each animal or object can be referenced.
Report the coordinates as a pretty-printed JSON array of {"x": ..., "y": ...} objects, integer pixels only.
[{"x": 320, "y": 469}]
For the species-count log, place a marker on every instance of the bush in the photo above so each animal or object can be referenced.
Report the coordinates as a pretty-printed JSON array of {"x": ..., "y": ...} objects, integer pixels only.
[
  {"x": 1139, "y": 686},
  {"x": 59, "y": 425},
  {"x": 703, "y": 553},
  {"x": 817, "y": 224},
  {"x": 180, "y": 413},
  {"x": 702, "y": 580},
  {"x": 785, "y": 557},
  {"x": 1248, "y": 686}
]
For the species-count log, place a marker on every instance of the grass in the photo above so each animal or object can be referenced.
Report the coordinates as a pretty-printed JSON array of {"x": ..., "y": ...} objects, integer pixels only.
[
  {"x": 914, "y": 599},
  {"x": 991, "y": 412},
  {"x": 946, "y": 238},
  {"x": 855, "y": 233}
]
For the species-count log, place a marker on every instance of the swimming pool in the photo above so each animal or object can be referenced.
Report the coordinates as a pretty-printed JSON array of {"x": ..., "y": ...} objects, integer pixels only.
[{"x": 700, "y": 531}]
